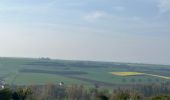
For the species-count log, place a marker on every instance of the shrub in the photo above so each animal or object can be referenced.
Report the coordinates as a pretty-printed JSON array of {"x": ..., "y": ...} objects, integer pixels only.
[{"x": 162, "y": 97}]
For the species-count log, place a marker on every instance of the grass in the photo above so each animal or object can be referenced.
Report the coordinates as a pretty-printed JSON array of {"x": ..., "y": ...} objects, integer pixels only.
[
  {"x": 34, "y": 78},
  {"x": 135, "y": 73}
]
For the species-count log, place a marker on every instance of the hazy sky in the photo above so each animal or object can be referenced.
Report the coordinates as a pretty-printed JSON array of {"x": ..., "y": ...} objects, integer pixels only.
[{"x": 108, "y": 30}]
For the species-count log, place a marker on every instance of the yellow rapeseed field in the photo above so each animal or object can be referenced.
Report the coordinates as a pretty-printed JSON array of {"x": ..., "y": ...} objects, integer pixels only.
[
  {"x": 137, "y": 73},
  {"x": 127, "y": 73}
]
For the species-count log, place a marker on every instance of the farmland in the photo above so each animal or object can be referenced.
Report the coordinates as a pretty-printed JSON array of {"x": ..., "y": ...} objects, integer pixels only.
[
  {"x": 127, "y": 73},
  {"x": 137, "y": 74},
  {"x": 31, "y": 71}
]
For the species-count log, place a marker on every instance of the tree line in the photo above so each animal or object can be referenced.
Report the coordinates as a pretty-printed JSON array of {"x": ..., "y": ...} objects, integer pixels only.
[{"x": 79, "y": 92}]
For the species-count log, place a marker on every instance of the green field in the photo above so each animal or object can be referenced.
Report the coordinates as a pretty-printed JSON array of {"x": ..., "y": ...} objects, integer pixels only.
[{"x": 29, "y": 71}]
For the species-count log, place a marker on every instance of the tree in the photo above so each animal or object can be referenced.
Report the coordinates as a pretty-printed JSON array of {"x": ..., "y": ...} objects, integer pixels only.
[
  {"x": 136, "y": 96},
  {"x": 120, "y": 95},
  {"x": 21, "y": 94},
  {"x": 102, "y": 97},
  {"x": 5, "y": 94}
]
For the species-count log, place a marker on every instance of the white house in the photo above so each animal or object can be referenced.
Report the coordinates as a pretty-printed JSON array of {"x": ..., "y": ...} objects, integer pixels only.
[{"x": 61, "y": 83}]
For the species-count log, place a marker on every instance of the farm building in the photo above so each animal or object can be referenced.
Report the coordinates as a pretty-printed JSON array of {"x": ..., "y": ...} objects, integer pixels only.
[{"x": 61, "y": 83}]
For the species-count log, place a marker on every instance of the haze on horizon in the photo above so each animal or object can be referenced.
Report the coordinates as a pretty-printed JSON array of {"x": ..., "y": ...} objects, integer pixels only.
[{"x": 105, "y": 30}]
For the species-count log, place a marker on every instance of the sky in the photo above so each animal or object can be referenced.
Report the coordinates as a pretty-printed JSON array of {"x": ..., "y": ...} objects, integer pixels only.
[{"x": 101, "y": 30}]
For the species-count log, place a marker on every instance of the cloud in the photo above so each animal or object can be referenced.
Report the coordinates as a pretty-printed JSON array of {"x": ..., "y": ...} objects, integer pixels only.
[
  {"x": 164, "y": 5},
  {"x": 95, "y": 15}
]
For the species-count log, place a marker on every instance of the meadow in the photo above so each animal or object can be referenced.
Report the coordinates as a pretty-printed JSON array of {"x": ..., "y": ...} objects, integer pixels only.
[{"x": 38, "y": 71}]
